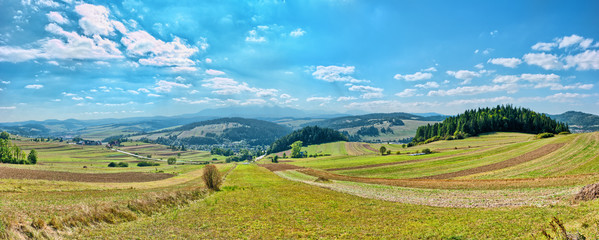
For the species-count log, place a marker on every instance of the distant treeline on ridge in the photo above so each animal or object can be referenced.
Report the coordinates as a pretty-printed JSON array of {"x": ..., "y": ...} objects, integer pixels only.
[
  {"x": 309, "y": 136},
  {"x": 499, "y": 119}
]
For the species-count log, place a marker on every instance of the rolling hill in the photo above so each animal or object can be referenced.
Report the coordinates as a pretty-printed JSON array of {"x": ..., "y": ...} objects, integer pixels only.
[
  {"x": 579, "y": 121},
  {"x": 227, "y": 131}
]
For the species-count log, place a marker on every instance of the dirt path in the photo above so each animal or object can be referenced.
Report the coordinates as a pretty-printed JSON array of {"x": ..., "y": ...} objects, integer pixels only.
[
  {"x": 569, "y": 180},
  {"x": 279, "y": 166},
  {"x": 529, "y": 156},
  {"x": 124, "y": 177}
]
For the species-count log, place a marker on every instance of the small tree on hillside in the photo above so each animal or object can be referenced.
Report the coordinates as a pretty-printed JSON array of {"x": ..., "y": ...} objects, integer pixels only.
[
  {"x": 383, "y": 150},
  {"x": 296, "y": 149},
  {"x": 275, "y": 159},
  {"x": 426, "y": 151},
  {"x": 4, "y": 135},
  {"x": 32, "y": 157},
  {"x": 212, "y": 177},
  {"x": 284, "y": 155},
  {"x": 171, "y": 160}
]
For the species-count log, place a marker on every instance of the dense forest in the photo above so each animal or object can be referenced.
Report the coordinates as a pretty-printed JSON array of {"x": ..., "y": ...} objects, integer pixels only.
[
  {"x": 499, "y": 119},
  {"x": 579, "y": 121},
  {"x": 309, "y": 136}
]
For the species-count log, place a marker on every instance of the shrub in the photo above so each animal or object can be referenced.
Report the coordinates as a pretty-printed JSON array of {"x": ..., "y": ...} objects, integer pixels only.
[
  {"x": 397, "y": 153},
  {"x": 122, "y": 164},
  {"x": 171, "y": 161},
  {"x": 275, "y": 159},
  {"x": 426, "y": 151},
  {"x": 563, "y": 133},
  {"x": 383, "y": 150},
  {"x": 388, "y": 152},
  {"x": 544, "y": 135},
  {"x": 212, "y": 177},
  {"x": 147, "y": 164},
  {"x": 112, "y": 164}
]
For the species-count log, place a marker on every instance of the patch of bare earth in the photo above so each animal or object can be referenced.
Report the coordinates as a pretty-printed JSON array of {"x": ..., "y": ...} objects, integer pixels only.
[
  {"x": 588, "y": 192},
  {"x": 529, "y": 156},
  {"x": 279, "y": 166},
  {"x": 15, "y": 173},
  {"x": 367, "y": 146}
]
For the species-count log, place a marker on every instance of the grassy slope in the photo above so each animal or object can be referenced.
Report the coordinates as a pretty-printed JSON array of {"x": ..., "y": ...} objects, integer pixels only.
[{"x": 258, "y": 204}]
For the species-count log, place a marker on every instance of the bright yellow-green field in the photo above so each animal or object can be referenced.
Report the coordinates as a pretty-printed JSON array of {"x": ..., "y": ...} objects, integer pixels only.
[{"x": 359, "y": 195}]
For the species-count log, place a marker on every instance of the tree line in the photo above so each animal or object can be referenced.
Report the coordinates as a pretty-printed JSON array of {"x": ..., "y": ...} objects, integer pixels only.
[
  {"x": 11, "y": 153},
  {"x": 503, "y": 118},
  {"x": 308, "y": 136}
]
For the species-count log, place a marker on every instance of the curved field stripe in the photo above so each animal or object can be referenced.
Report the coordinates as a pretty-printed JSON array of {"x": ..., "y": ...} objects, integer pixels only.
[
  {"x": 122, "y": 177},
  {"x": 491, "y": 184},
  {"x": 529, "y": 156},
  {"x": 367, "y": 146}
]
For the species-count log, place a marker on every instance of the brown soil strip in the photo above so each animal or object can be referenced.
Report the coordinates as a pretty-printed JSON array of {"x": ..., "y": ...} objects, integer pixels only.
[
  {"x": 569, "y": 180},
  {"x": 15, "y": 173},
  {"x": 279, "y": 166},
  {"x": 367, "y": 146},
  {"x": 529, "y": 156},
  {"x": 285, "y": 161},
  {"x": 403, "y": 162}
]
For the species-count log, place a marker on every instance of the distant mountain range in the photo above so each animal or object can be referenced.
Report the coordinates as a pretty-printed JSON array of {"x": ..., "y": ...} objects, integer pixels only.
[{"x": 367, "y": 127}]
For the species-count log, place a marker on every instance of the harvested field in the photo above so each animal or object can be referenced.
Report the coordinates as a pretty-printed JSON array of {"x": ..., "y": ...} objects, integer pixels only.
[
  {"x": 542, "y": 151},
  {"x": 279, "y": 166},
  {"x": 367, "y": 146},
  {"x": 402, "y": 162},
  {"x": 569, "y": 180},
  {"x": 124, "y": 177}
]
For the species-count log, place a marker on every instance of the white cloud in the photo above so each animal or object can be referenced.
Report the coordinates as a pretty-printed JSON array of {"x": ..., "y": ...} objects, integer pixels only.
[
  {"x": 557, "y": 86},
  {"x": 506, "y": 79},
  {"x": 267, "y": 92},
  {"x": 133, "y": 92},
  {"x": 407, "y": 93},
  {"x": 166, "y": 86},
  {"x": 214, "y": 72},
  {"x": 319, "y": 99},
  {"x": 56, "y": 17},
  {"x": 34, "y": 86},
  {"x": 540, "y": 77},
  {"x": 502, "y": 99},
  {"x": 465, "y": 75},
  {"x": 414, "y": 77},
  {"x": 428, "y": 85},
  {"x": 587, "y": 60},
  {"x": 473, "y": 90},
  {"x": 568, "y": 41},
  {"x": 340, "y": 99},
  {"x": 5, "y": 82},
  {"x": 153, "y": 95},
  {"x": 208, "y": 60},
  {"x": 154, "y": 52},
  {"x": 185, "y": 100},
  {"x": 8, "y": 108},
  {"x": 479, "y": 66},
  {"x": 542, "y": 46},
  {"x": 430, "y": 69},
  {"x": 544, "y": 60},
  {"x": 253, "y": 101},
  {"x": 368, "y": 91},
  {"x": 77, "y": 46},
  {"x": 558, "y": 98},
  {"x": 17, "y": 54},
  {"x": 297, "y": 33},
  {"x": 506, "y": 62},
  {"x": 77, "y": 98},
  {"x": 88, "y": 97},
  {"x": 335, "y": 74},
  {"x": 253, "y": 37},
  {"x": 143, "y": 90},
  {"x": 94, "y": 19}
]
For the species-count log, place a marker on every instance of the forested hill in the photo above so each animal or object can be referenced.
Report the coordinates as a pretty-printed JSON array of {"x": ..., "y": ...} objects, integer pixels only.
[
  {"x": 579, "y": 121},
  {"x": 499, "y": 119},
  {"x": 309, "y": 136},
  {"x": 395, "y": 119}
]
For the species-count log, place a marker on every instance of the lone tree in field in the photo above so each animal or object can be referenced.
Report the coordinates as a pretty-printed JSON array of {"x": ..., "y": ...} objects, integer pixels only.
[
  {"x": 275, "y": 159},
  {"x": 32, "y": 157},
  {"x": 383, "y": 150},
  {"x": 171, "y": 161},
  {"x": 4, "y": 135},
  {"x": 212, "y": 177},
  {"x": 296, "y": 149}
]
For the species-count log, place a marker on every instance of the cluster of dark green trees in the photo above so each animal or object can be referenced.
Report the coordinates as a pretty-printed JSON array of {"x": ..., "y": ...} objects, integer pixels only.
[
  {"x": 498, "y": 119},
  {"x": 308, "y": 136},
  {"x": 11, "y": 153}
]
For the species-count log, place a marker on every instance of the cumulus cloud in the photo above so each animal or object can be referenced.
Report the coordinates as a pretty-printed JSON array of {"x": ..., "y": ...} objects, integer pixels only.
[
  {"x": 34, "y": 86},
  {"x": 544, "y": 60},
  {"x": 56, "y": 17},
  {"x": 558, "y": 98},
  {"x": 8, "y": 108},
  {"x": 587, "y": 60},
  {"x": 543, "y": 46},
  {"x": 319, "y": 99},
  {"x": 77, "y": 46},
  {"x": 574, "y": 39},
  {"x": 414, "y": 77},
  {"x": 335, "y": 74},
  {"x": 166, "y": 86},
  {"x": 155, "y": 52},
  {"x": 253, "y": 37},
  {"x": 228, "y": 86},
  {"x": 133, "y": 92},
  {"x": 368, "y": 91},
  {"x": 428, "y": 85},
  {"x": 94, "y": 19},
  {"x": 465, "y": 75},
  {"x": 214, "y": 72},
  {"x": 17, "y": 54},
  {"x": 473, "y": 90},
  {"x": 506, "y": 62},
  {"x": 502, "y": 99},
  {"x": 407, "y": 93},
  {"x": 430, "y": 69},
  {"x": 297, "y": 33}
]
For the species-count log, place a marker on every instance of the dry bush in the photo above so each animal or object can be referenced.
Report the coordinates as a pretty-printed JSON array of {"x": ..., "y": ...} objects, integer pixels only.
[
  {"x": 212, "y": 177},
  {"x": 588, "y": 192},
  {"x": 322, "y": 179}
]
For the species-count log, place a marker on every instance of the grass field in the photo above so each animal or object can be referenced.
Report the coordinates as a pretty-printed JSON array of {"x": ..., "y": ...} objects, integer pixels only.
[{"x": 495, "y": 186}]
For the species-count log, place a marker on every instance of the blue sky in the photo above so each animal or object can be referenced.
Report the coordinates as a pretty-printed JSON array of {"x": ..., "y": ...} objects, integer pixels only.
[{"x": 100, "y": 59}]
